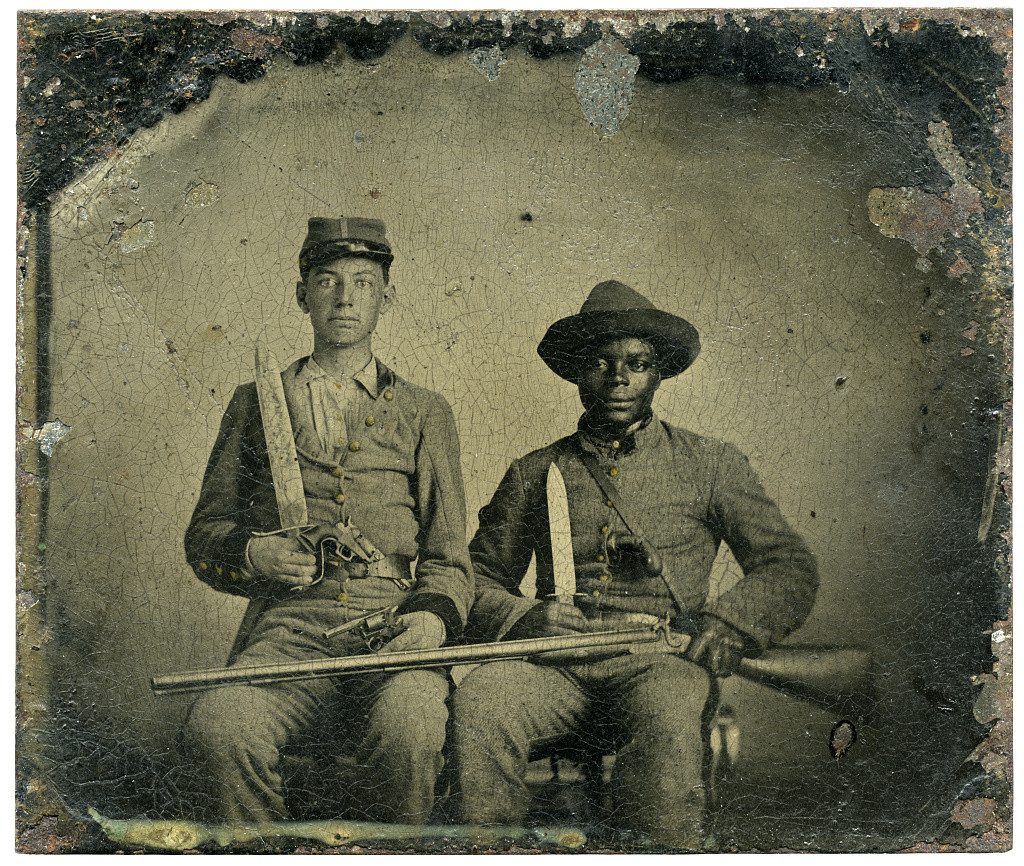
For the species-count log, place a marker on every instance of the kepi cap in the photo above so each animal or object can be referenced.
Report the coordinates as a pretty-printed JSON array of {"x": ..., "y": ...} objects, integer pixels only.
[{"x": 328, "y": 238}]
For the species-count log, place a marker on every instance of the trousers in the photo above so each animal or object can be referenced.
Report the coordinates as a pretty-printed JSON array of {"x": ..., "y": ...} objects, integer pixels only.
[
  {"x": 393, "y": 725},
  {"x": 650, "y": 709}
]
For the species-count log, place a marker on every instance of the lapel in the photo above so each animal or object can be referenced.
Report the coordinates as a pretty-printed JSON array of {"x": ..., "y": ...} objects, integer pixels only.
[{"x": 307, "y": 443}]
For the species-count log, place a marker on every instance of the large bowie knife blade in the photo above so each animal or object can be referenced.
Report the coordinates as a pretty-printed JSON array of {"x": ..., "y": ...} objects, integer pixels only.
[
  {"x": 562, "y": 560},
  {"x": 277, "y": 429}
]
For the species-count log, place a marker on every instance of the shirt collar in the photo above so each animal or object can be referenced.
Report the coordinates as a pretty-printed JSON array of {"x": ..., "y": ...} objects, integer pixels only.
[
  {"x": 368, "y": 377},
  {"x": 642, "y": 434}
]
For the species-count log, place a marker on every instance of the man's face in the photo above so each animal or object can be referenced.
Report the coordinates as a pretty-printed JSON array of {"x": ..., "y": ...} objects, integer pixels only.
[
  {"x": 617, "y": 381},
  {"x": 343, "y": 298}
]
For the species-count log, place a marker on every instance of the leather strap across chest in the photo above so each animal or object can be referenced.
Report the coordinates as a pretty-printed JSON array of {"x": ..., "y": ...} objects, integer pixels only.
[{"x": 621, "y": 507}]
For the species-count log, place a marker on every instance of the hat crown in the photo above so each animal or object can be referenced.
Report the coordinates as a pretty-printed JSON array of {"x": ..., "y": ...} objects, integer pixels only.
[
  {"x": 613, "y": 296},
  {"x": 366, "y": 230},
  {"x": 613, "y": 310},
  {"x": 329, "y": 238}
]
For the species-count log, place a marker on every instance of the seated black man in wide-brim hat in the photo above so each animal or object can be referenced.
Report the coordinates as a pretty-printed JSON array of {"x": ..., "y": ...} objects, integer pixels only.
[
  {"x": 376, "y": 453},
  {"x": 683, "y": 495}
]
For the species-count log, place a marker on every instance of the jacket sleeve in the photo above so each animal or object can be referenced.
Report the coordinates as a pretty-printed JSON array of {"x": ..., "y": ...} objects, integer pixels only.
[
  {"x": 444, "y": 575},
  {"x": 501, "y": 552},
  {"x": 217, "y": 535},
  {"x": 780, "y": 575}
]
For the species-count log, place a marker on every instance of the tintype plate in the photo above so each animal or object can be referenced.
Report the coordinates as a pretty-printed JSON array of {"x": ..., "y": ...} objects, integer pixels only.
[{"x": 474, "y": 222}]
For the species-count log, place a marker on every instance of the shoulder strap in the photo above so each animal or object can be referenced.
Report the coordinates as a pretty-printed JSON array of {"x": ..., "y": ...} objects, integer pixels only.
[
  {"x": 612, "y": 494},
  {"x": 610, "y": 491}
]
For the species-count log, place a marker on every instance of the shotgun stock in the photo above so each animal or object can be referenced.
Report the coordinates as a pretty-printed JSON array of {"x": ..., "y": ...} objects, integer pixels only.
[{"x": 840, "y": 679}]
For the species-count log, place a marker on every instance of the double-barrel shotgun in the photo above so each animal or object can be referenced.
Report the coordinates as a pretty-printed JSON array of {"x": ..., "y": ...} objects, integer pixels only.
[{"x": 838, "y": 678}]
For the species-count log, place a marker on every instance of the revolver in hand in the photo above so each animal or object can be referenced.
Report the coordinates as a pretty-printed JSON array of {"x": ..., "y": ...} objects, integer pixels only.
[{"x": 333, "y": 546}]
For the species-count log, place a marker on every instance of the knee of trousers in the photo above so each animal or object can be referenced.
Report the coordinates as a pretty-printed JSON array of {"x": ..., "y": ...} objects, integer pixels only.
[
  {"x": 672, "y": 702},
  {"x": 218, "y": 731},
  {"x": 410, "y": 717},
  {"x": 484, "y": 712}
]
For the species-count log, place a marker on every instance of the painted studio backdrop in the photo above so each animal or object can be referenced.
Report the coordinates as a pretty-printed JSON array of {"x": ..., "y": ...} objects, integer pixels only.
[{"x": 833, "y": 354}]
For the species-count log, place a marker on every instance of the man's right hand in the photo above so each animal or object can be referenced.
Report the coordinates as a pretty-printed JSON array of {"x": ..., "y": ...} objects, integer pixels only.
[
  {"x": 550, "y": 619},
  {"x": 282, "y": 559}
]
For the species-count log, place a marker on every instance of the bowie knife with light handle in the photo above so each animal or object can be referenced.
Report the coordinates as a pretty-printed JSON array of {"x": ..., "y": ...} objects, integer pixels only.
[
  {"x": 562, "y": 560},
  {"x": 331, "y": 545},
  {"x": 277, "y": 429}
]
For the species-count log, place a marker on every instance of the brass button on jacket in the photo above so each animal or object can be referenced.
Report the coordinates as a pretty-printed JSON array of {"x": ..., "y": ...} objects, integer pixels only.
[
  {"x": 370, "y": 420},
  {"x": 339, "y": 498},
  {"x": 337, "y": 472},
  {"x": 354, "y": 445}
]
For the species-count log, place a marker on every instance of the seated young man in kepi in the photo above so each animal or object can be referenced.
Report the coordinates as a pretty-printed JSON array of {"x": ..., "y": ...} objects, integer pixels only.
[
  {"x": 648, "y": 504},
  {"x": 381, "y": 456}
]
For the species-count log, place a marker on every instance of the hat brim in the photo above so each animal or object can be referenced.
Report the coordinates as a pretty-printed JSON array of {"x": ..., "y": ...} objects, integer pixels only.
[
  {"x": 328, "y": 251},
  {"x": 676, "y": 342}
]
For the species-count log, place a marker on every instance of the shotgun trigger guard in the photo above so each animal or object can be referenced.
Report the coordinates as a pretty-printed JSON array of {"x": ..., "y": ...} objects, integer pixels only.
[
  {"x": 660, "y": 626},
  {"x": 675, "y": 640}
]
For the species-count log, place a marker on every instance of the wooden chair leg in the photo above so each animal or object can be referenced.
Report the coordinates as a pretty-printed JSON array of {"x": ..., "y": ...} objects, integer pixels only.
[{"x": 723, "y": 739}]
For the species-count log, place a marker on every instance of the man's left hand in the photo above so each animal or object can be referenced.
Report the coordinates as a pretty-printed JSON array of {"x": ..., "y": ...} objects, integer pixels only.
[
  {"x": 718, "y": 647},
  {"x": 423, "y": 631}
]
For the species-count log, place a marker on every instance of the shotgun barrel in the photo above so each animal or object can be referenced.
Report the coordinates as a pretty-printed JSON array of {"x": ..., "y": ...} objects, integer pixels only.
[{"x": 588, "y": 645}]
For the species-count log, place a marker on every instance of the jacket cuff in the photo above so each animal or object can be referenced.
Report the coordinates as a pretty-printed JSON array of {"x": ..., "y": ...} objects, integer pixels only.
[
  {"x": 440, "y": 605},
  {"x": 230, "y": 570},
  {"x": 516, "y": 611},
  {"x": 235, "y": 549}
]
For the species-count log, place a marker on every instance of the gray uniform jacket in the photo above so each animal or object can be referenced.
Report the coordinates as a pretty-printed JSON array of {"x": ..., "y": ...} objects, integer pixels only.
[
  {"x": 689, "y": 492},
  {"x": 398, "y": 479}
]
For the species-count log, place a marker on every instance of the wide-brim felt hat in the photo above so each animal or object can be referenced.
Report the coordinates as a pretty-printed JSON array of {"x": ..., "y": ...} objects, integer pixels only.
[
  {"x": 613, "y": 310},
  {"x": 329, "y": 238}
]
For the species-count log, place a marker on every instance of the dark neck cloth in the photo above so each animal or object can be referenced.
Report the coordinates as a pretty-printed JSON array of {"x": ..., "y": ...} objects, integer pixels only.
[{"x": 604, "y": 442}]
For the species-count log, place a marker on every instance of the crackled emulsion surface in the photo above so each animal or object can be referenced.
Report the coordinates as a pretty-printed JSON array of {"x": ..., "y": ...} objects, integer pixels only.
[{"x": 850, "y": 322}]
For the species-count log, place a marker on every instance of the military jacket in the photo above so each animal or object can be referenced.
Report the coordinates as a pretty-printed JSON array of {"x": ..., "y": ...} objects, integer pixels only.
[
  {"x": 397, "y": 478},
  {"x": 689, "y": 493}
]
